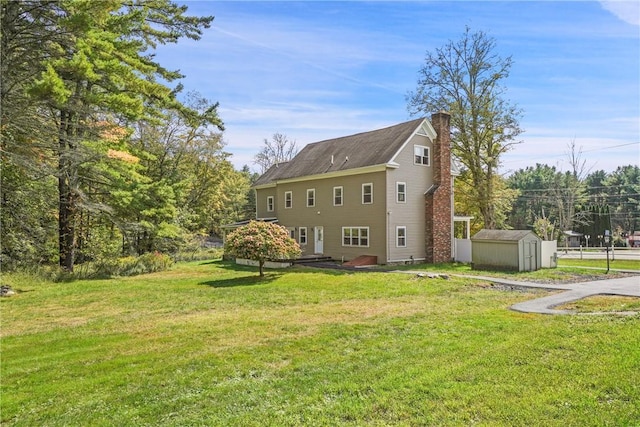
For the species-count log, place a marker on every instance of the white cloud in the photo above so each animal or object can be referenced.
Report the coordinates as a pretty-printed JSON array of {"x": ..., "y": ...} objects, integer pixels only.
[{"x": 628, "y": 11}]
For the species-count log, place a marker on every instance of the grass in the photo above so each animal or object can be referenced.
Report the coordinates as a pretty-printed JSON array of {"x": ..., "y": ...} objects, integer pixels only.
[
  {"x": 568, "y": 272},
  {"x": 208, "y": 343},
  {"x": 618, "y": 264},
  {"x": 604, "y": 303}
]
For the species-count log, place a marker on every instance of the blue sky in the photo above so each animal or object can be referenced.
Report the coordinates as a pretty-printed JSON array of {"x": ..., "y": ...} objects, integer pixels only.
[{"x": 323, "y": 69}]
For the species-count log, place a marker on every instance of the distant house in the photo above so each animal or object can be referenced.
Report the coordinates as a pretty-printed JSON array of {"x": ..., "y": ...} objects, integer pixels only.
[
  {"x": 386, "y": 194},
  {"x": 572, "y": 238}
]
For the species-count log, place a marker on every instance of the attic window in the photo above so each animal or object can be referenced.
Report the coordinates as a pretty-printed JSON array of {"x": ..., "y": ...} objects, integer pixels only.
[{"x": 421, "y": 155}]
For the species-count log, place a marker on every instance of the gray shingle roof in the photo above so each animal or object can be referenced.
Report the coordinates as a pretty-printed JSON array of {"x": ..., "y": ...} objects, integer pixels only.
[
  {"x": 348, "y": 152},
  {"x": 504, "y": 235}
]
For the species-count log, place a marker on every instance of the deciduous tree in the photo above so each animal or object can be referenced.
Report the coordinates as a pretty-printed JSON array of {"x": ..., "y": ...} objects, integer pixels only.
[
  {"x": 465, "y": 77},
  {"x": 280, "y": 149},
  {"x": 261, "y": 241}
]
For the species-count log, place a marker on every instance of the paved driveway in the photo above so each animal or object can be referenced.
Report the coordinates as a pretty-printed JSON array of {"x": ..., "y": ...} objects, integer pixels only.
[{"x": 625, "y": 286}]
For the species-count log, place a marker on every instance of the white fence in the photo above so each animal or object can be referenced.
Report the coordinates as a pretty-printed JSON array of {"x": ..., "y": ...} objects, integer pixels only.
[
  {"x": 549, "y": 254},
  {"x": 462, "y": 250},
  {"x": 599, "y": 252}
]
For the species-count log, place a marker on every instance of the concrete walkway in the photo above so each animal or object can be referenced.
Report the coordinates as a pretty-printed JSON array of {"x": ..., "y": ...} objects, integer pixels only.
[{"x": 625, "y": 286}]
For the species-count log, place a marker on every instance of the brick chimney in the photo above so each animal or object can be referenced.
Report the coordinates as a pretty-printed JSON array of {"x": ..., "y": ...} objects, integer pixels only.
[{"x": 438, "y": 197}]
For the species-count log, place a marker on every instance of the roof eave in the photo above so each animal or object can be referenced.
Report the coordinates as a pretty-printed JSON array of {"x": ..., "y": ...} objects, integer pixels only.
[
  {"x": 263, "y": 186},
  {"x": 335, "y": 174}
]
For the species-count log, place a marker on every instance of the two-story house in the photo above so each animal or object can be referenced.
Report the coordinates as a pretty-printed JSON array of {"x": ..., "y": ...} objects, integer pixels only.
[{"x": 385, "y": 193}]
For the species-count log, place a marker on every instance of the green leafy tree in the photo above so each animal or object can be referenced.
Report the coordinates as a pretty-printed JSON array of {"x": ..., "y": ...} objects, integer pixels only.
[
  {"x": 27, "y": 212},
  {"x": 534, "y": 186},
  {"x": 231, "y": 204},
  {"x": 465, "y": 78},
  {"x": 623, "y": 193},
  {"x": 545, "y": 228},
  {"x": 467, "y": 204},
  {"x": 94, "y": 62},
  {"x": 249, "y": 209},
  {"x": 596, "y": 187},
  {"x": 188, "y": 153},
  {"x": 261, "y": 241}
]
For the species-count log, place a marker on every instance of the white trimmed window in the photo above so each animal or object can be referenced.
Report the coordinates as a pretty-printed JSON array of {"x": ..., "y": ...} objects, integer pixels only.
[
  {"x": 355, "y": 236},
  {"x": 288, "y": 199},
  {"x": 401, "y": 236},
  {"x": 270, "y": 204},
  {"x": 311, "y": 197},
  {"x": 421, "y": 155},
  {"x": 337, "y": 196},
  {"x": 401, "y": 192},
  {"x": 367, "y": 193},
  {"x": 292, "y": 232},
  {"x": 302, "y": 235}
]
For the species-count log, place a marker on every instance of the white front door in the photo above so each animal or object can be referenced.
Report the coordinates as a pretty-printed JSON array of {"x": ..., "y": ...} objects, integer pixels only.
[{"x": 318, "y": 238}]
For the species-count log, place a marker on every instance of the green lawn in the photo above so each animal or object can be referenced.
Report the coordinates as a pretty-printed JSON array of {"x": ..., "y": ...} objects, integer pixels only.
[
  {"x": 618, "y": 264},
  {"x": 207, "y": 343}
]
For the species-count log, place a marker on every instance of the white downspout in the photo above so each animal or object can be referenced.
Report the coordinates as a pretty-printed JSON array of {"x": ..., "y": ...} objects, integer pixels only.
[
  {"x": 453, "y": 237},
  {"x": 388, "y": 241}
]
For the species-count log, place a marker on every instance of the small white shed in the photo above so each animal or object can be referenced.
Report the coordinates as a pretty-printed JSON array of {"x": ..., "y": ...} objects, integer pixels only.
[{"x": 518, "y": 250}]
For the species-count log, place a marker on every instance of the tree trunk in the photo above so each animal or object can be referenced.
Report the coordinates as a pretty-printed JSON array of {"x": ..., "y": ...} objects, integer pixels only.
[
  {"x": 66, "y": 229},
  {"x": 261, "y": 267},
  {"x": 489, "y": 206}
]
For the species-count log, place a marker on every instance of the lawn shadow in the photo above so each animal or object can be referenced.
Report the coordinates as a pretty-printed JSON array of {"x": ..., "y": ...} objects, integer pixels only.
[{"x": 243, "y": 281}]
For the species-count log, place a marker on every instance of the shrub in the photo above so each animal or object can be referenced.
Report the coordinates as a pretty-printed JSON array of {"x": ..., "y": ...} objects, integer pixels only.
[
  {"x": 198, "y": 255},
  {"x": 261, "y": 241}
]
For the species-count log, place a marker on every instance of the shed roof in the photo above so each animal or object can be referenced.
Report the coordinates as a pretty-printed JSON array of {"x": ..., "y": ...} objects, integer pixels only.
[
  {"x": 348, "y": 152},
  {"x": 502, "y": 235}
]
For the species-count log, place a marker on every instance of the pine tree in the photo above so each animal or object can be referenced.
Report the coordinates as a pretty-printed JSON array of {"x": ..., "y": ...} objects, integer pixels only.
[{"x": 96, "y": 65}]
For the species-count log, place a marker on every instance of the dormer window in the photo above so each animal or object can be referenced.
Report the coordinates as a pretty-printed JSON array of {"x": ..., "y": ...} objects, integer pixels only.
[{"x": 421, "y": 155}]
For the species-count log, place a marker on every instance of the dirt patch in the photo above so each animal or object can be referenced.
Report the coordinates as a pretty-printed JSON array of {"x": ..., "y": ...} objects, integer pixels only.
[{"x": 515, "y": 288}]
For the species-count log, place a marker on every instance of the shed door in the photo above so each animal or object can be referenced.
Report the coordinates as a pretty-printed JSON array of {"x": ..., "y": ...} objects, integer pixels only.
[{"x": 531, "y": 256}]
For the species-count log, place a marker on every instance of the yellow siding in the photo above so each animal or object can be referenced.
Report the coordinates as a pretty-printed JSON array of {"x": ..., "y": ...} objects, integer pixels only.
[
  {"x": 351, "y": 214},
  {"x": 261, "y": 203}
]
